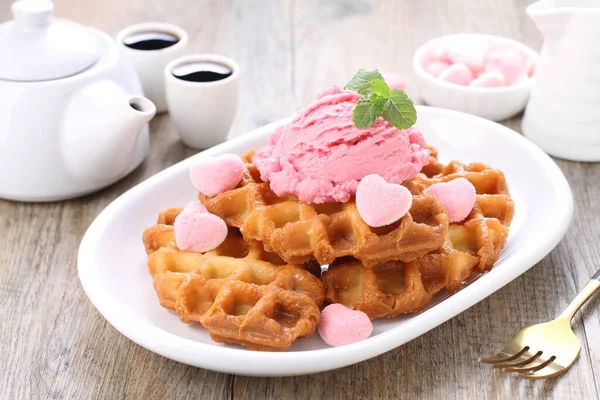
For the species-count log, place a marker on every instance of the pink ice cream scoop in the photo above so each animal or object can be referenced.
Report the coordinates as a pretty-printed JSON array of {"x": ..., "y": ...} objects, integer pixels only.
[{"x": 321, "y": 156}]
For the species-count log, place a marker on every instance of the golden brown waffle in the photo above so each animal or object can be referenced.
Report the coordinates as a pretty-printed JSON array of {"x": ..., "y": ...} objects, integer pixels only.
[
  {"x": 237, "y": 291},
  {"x": 434, "y": 167},
  {"x": 395, "y": 287},
  {"x": 493, "y": 202},
  {"x": 300, "y": 232}
]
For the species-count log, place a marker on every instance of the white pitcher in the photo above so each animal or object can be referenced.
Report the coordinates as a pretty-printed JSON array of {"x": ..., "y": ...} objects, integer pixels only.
[{"x": 563, "y": 113}]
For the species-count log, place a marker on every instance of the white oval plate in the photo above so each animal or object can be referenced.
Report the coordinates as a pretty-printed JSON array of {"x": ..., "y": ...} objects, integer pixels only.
[{"x": 112, "y": 261}]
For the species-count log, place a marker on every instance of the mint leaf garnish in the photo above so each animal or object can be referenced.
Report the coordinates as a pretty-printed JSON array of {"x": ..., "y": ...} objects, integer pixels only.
[
  {"x": 399, "y": 110},
  {"x": 380, "y": 88},
  {"x": 361, "y": 81},
  {"x": 394, "y": 105},
  {"x": 366, "y": 111}
]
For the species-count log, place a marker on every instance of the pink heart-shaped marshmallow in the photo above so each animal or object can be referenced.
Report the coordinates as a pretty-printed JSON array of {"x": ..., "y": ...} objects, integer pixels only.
[
  {"x": 197, "y": 230},
  {"x": 212, "y": 176},
  {"x": 457, "y": 196},
  {"x": 380, "y": 203},
  {"x": 340, "y": 325}
]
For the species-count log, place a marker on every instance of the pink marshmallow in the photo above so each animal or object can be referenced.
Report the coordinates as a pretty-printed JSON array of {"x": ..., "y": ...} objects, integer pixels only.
[
  {"x": 197, "y": 230},
  {"x": 212, "y": 176},
  {"x": 380, "y": 203},
  {"x": 458, "y": 74},
  {"x": 395, "y": 81},
  {"x": 508, "y": 62},
  {"x": 435, "y": 68},
  {"x": 457, "y": 196},
  {"x": 440, "y": 52},
  {"x": 340, "y": 325},
  {"x": 488, "y": 80},
  {"x": 528, "y": 60},
  {"x": 469, "y": 50}
]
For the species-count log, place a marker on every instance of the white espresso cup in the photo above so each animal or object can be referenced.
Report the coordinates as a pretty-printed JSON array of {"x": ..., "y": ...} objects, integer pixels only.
[
  {"x": 149, "y": 62},
  {"x": 202, "y": 109}
]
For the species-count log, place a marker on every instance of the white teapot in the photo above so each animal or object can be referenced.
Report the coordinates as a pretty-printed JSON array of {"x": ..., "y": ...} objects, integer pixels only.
[{"x": 72, "y": 115}]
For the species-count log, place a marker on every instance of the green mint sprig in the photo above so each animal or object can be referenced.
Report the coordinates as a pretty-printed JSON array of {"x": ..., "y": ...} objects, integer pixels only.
[{"x": 378, "y": 100}]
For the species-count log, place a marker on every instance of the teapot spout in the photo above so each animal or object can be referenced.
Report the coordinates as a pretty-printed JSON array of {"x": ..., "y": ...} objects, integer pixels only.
[
  {"x": 144, "y": 107},
  {"x": 101, "y": 131}
]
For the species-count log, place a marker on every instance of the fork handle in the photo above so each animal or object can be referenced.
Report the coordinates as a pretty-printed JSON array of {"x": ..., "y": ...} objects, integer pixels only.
[{"x": 584, "y": 295}]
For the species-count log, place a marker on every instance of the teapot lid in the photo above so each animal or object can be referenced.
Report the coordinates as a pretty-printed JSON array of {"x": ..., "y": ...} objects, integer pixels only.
[{"x": 37, "y": 47}]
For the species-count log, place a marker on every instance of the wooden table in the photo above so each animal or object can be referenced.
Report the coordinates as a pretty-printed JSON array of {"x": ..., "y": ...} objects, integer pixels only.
[{"x": 55, "y": 345}]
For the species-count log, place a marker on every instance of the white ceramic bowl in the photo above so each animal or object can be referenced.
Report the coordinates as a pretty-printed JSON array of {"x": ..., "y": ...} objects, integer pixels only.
[{"x": 491, "y": 103}]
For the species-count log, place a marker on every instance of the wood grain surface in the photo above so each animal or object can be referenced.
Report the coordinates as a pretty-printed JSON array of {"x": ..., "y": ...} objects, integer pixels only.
[{"x": 55, "y": 345}]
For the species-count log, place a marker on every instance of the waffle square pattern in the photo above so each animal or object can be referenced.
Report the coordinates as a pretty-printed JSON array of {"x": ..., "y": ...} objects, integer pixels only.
[
  {"x": 299, "y": 232},
  {"x": 471, "y": 246},
  {"x": 262, "y": 288},
  {"x": 238, "y": 292}
]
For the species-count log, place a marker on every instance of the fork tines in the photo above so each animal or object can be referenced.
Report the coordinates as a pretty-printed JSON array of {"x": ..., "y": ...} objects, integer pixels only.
[{"x": 526, "y": 362}]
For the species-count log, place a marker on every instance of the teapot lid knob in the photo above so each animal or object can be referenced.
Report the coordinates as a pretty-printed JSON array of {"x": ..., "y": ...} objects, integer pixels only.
[{"x": 33, "y": 13}]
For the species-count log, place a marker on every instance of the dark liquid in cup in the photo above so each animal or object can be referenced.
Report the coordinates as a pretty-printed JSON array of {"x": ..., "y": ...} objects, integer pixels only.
[
  {"x": 150, "y": 40},
  {"x": 202, "y": 71}
]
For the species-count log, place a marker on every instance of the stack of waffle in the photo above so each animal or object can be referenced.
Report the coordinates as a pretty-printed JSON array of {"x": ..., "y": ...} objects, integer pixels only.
[{"x": 260, "y": 288}]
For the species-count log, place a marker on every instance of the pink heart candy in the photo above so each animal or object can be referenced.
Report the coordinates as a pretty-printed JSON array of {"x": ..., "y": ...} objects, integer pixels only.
[
  {"x": 457, "y": 196},
  {"x": 197, "y": 230},
  {"x": 435, "y": 68},
  {"x": 340, "y": 325},
  {"x": 395, "y": 81},
  {"x": 380, "y": 203},
  {"x": 458, "y": 74},
  {"x": 212, "y": 176},
  {"x": 488, "y": 80}
]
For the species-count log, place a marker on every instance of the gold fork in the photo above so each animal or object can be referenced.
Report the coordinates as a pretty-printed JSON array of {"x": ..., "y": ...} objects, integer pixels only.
[{"x": 548, "y": 349}]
